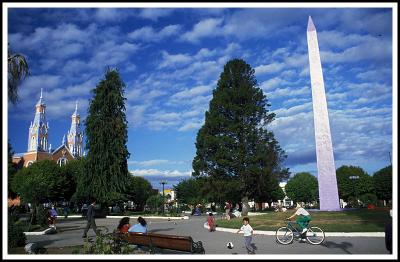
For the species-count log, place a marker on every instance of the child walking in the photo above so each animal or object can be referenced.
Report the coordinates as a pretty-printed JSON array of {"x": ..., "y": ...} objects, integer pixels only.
[
  {"x": 211, "y": 222},
  {"x": 247, "y": 233}
]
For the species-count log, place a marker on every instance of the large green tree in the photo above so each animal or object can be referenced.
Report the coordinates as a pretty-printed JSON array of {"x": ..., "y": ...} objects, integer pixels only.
[
  {"x": 353, "y": 182},
  {"x": 18, "y": 70},
  {"x": 189, "y": 191},
  {"x": 302, "y": 187},
  {"x": 73, "y": 173},
  {"x": 234, "y": 143},
  {"x": 138, "y": 190},
  {"x": 106, "y": 134},
  {"x": 39, "y": 183},
  {"x": 383, "y": 183}
]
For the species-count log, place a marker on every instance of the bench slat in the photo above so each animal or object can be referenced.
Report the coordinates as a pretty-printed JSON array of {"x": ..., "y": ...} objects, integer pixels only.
[{"x": 181, "y": 243}]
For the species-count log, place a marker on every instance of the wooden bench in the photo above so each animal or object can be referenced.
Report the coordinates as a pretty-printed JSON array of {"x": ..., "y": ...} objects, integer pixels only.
[{"x": 152, "y": 240}]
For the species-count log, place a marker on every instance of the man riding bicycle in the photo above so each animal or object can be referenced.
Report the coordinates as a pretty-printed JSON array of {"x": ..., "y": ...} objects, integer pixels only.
[{"x": 303, "y": 218}]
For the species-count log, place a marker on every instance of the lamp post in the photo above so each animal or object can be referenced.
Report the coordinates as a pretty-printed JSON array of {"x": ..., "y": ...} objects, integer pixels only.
[
  {"x": 354, "y": 178},
  {"x": 163, "y": 183}
]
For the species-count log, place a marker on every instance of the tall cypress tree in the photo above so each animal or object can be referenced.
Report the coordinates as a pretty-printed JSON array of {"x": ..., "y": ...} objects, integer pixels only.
[
  {"x": 234, "y": 144},
  {"x": 106, "y": 132}
]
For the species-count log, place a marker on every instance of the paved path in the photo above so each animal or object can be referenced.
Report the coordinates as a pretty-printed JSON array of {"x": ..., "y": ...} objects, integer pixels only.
[{"x": 70, "y": 233}]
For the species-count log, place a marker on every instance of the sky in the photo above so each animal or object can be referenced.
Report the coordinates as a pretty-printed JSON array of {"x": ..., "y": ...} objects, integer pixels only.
[{"x": 171, "y": 58}]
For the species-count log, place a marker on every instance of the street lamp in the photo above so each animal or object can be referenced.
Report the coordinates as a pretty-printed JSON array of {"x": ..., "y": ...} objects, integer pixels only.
[
  {"x": 163, "y": 183},
  {"x": 354, "y": 178}
]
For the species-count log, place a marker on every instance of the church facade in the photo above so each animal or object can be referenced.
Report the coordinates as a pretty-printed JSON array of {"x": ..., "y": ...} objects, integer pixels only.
[{"x": 39, "y": 147}]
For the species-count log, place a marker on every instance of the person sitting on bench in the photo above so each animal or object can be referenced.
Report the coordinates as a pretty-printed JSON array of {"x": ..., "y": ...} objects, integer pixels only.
[
  {"x": 140, "y": 227},
  {"x": 124, "y": 225}
]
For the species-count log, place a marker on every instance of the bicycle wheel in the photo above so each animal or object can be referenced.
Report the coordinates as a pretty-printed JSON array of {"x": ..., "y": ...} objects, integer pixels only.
[
  {"x": 284, "y": 235},
  {"x": 315, "y": 235}
]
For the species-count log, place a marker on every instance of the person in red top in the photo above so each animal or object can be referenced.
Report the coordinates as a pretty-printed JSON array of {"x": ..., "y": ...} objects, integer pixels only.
[
  {"x": 211, "y": 222},
  {"x": 123, "y": 225}
]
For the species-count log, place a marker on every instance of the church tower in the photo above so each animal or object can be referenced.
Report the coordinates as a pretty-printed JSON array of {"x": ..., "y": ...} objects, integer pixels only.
[
  {"x": 39, "y": 129},
  {"x": 75, "y": 135}
]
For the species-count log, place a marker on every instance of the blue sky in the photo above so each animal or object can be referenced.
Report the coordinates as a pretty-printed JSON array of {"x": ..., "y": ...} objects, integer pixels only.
[{"x": 170, "y": 60}]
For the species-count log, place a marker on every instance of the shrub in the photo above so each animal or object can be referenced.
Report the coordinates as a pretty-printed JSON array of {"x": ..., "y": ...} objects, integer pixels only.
[
  {"x": 16, "y": 236},
  {"x": 369, "y": 198},
  {"x": 41, "y": 216},
  {"x": 106, "y": 244}
]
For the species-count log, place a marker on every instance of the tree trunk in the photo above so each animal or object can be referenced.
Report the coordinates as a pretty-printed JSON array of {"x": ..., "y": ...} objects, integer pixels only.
[
  {"x": 245, "y": 206},
  {"x": 33, "y": 216}
]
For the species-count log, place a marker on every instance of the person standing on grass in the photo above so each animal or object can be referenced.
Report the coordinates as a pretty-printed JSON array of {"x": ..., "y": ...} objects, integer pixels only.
[
  {"x": 91, "y": 222},
  {"x": 227, "y": 210},
  {"x": 303, "y": 218},
  {"x": 247, "y": 234}
]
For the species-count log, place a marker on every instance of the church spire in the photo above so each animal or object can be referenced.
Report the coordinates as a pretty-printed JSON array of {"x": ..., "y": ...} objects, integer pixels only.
[
  {"x": 75, "y": 135},
  {"x": 40, "y": 102},
  {"x": 38, "y": 130},
  {"x": 76, "y": 108}
]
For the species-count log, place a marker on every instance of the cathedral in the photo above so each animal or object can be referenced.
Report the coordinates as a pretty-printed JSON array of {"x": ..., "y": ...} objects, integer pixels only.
[{"x": 38, "y": 140}]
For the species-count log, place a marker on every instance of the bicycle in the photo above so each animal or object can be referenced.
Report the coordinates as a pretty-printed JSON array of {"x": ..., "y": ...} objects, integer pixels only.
[{"x": 285, "y": 235}]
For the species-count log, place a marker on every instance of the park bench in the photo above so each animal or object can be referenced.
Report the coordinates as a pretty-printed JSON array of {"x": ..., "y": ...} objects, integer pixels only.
[{"x": 172, "y": 242}]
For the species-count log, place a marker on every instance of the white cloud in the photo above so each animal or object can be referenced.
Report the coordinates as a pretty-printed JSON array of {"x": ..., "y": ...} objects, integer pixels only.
[
  {"x": 190, "y": 93},
  {"x": 74, "y": 66},
  {"x": 272, "y": 84},
  {"x": 155, "y": 162},
  {"x": 380, "y": 75},
  {"x": 196, "y": 124},
  {"x": 161, "y": 119},
  {"x": 152, "y": 162},
  {"x": 337, "y": 39},
  {"x": 281, "y": 112},
  {"x": 108, "y": 14},
  {"x": 31, "y": 86},
  {"x": 110, "y": 53},
  {"x": 174, "y": 60},
  {"x": 205, "y": 53},
  {"x": 289, "y": 92},
  {"x": 205, "y": 28},
  {"x": 270, "y": 68},
  {"x": 149, "y": 34},
  {"x": 136, "y": 114},
  {"x": 374, "y": 50},
  {"x": 155, "y": 13},
  {"x": 156, "y": 172}
]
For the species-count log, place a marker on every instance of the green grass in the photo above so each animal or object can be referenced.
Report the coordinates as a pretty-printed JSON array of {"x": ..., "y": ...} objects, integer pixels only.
[{"x": 362, "y": 220}]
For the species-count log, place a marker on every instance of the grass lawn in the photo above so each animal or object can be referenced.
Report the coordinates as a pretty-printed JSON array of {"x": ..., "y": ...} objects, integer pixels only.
[{"x": 360, "y": 220}]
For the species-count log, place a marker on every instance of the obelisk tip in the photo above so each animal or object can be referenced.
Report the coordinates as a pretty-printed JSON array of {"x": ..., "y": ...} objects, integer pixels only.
[{"x": 310, "y": 26}]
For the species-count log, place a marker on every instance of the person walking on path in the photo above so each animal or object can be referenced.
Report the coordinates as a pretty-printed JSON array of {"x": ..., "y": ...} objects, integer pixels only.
[
  {"x": 52, "y": 217},
  {"x": 211, "y": 222},
  {"x": 91, "y": 222},
  {"x": 247, "y": 234},
  {"x": 303, "y": 218}
]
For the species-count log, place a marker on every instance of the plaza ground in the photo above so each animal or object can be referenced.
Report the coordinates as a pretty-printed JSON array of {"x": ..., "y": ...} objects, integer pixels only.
[{"x": 70, "y": 232}]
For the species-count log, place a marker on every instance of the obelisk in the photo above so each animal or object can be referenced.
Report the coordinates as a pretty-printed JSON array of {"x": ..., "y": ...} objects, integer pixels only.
[{"x": 327, "y": 184}]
